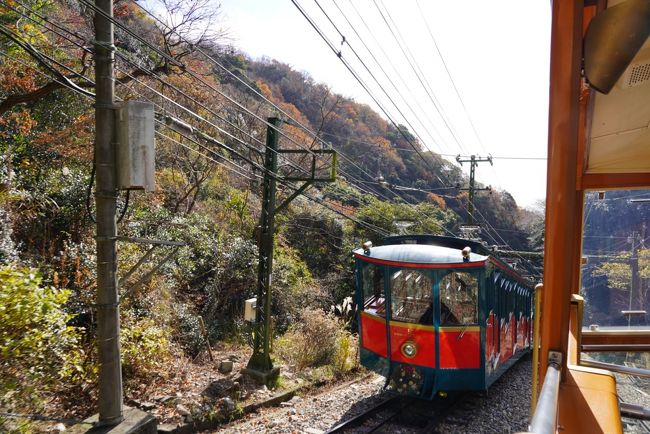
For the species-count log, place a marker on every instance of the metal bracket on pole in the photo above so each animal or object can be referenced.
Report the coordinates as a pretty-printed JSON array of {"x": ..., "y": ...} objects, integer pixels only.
[{"x": 154, "y": 243}]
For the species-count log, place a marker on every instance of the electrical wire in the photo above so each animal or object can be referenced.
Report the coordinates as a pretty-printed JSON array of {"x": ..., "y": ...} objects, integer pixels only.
[
  {"x": 264, "y": 98},
  {"x": 218, "y": 91},
  {"x": 360, "y": 81},
  {"x": 417, "y": 71},
  {"x": 372, "y": 75},
  {"x": 212, "y": 60},
  {"x": 82, "y": 47},
  {"x": 453, "y": 83}
]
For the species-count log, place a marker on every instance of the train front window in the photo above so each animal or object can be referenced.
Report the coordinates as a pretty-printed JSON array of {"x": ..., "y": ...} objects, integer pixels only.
[
  {"x": 458, "y": 299},
  {"x": 374, "y": 297},
  {"x": 411, "y": 296}
]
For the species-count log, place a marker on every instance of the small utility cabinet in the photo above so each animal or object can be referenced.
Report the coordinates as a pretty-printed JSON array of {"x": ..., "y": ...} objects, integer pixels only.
[
  {"x": 250, "y": 308},
  {"x": 135, "y": 148}
]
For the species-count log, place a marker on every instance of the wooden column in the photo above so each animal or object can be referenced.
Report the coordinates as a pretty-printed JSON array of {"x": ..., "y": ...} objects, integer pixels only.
[{"x": 563, "y": 203}]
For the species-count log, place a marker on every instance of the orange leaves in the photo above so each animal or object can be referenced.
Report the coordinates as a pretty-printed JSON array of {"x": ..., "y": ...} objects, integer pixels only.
[
  {"x": 16, "y": 123},
  {"x": 16, "y": 78},
  {"x": 434, "y": 198},
  {"x": 264, "y": 89},
  {"x": 73, "y": 141}
]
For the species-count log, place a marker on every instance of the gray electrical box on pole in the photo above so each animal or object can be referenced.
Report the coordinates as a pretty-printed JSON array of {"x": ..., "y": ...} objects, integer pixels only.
[{"x": 135, "y": 146}]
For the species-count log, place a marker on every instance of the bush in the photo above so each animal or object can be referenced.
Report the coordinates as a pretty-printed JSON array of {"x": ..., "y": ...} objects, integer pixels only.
[
  {"x": 317, "y": 340},
  {"x": 144, "y": 347},
  {"x": 37, "y": 347},
  {"x": 188, "y": 330}
]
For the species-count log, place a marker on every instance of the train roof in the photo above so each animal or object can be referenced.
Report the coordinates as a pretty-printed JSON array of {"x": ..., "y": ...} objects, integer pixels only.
[
  {"x": 419, "y": 255},
  {"x": 438, "y": 240},
  {"x": 433, "y": 251}
]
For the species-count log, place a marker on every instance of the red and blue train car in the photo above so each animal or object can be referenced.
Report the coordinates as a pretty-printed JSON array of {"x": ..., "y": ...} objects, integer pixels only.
[{"x": 439, "y": 313}]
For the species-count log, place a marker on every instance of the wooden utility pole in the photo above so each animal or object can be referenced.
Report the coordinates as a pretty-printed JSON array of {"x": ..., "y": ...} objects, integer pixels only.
[{"x": 108, "y": 315}]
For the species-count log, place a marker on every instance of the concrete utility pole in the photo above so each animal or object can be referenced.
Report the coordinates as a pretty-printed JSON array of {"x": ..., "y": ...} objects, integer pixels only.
[
  {"x": 473, "y": 160},
  {"x": 108, "y": 315}
]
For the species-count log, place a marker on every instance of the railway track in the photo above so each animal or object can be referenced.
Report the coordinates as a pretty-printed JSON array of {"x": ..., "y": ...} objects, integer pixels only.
[{"x": 399, "y": 413}]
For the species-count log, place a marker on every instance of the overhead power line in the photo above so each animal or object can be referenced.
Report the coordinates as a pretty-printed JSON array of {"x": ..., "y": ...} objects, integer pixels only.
[
  {"x": 363, "y": 85},
  {"x": 191, "y": 112}
]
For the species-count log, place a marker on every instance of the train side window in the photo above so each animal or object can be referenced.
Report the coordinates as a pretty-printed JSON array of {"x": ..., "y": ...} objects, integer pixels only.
[
  {"x": 412, "y": 297},
  {"x": 374, "y": 297},
  {"x": 458, "y": 299}
]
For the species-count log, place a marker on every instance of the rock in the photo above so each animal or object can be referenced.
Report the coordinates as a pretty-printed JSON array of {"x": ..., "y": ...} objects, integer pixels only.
[
  {"x": 228, "y": 404},
  {"x": 313, "y": 431},
  {"x": 59, "y": 427},
  {"x": 225, "y": 367},
  {"x": 182, "y": 410},
  {"x": 165, "y": 398}
]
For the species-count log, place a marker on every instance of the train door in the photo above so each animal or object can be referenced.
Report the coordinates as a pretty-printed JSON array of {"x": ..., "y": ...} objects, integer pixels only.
[
  {"x": 373, "y": 329},
  {"x": 412, "y": 338},
  {"x": 458, "y": 329}
]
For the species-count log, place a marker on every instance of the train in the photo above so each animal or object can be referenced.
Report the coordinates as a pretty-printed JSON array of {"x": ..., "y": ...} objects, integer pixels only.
[{"x": 439, "y": 314}]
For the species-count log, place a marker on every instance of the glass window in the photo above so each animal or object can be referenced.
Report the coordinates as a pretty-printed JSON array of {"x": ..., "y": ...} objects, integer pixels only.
[
  {"x": 616, "y": 266},
  {"x": 412, "y": 297},
  {"x": 458, "y": 299},
  {"x": 374, "y": 298}
]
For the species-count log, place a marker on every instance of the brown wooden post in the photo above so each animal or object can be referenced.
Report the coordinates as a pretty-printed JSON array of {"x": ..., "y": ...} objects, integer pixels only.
[{"x": 562, "y": 200}]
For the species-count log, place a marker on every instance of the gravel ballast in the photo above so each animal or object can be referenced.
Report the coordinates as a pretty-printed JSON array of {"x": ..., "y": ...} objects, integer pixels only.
[{"x": 504, "y": 409}]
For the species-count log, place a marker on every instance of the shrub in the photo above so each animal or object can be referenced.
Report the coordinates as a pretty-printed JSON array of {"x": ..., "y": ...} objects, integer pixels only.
[
  {"x": 188, "y": 330},
  {"x": 345, "y": 357},
  {"x": 37, "y": 347},
  {"x": 144, "y": 347},
  {"x": 317, "y": 340}
]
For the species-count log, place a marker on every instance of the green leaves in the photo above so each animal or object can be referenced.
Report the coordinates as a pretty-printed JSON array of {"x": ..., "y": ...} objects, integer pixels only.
[{"x": 36, "y": 344}]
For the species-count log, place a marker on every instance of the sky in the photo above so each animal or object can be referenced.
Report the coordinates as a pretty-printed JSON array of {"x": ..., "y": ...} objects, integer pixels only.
[{"x": 490, "y": 96}]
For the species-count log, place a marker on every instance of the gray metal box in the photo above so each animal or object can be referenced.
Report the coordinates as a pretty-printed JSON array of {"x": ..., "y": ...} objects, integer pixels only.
[
  {"x": 135, "y": 148},
  {"x": 250, "y": 308}
]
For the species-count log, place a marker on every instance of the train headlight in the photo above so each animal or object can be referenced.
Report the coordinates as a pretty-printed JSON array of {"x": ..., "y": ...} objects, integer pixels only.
[{"x": 409, "y": 349}]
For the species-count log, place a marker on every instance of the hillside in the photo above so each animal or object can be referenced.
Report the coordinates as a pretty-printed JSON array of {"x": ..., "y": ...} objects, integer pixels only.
[{"x": 377, "y": 148}]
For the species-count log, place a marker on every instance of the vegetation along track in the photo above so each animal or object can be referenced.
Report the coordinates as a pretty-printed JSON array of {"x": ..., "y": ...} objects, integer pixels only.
[{"x": 398, "y": 413}]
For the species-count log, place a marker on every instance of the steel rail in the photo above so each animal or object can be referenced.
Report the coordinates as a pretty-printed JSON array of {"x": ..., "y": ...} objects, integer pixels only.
[{"x": 360, "y": 418}]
